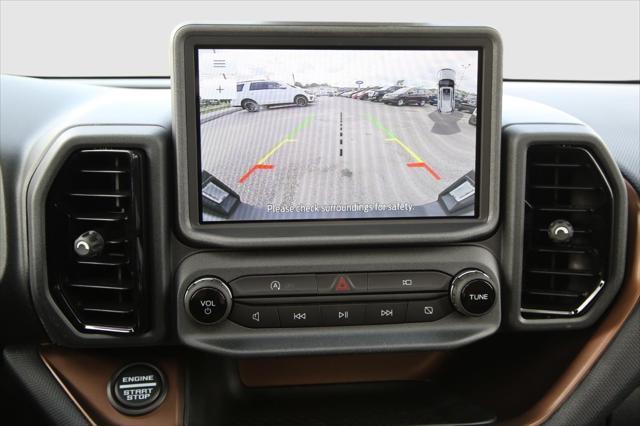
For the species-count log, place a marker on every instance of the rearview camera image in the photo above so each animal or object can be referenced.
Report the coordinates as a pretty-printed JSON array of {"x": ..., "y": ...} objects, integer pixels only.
[{"x": 290, "y": 134}]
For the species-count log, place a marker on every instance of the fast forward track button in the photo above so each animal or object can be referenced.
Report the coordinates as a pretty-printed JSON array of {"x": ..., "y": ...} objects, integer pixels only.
[{"x": 385, "y": 313}]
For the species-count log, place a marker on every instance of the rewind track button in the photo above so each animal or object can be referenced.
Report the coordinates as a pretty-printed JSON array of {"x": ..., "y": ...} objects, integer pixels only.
[{"x": 300, "y": 316}]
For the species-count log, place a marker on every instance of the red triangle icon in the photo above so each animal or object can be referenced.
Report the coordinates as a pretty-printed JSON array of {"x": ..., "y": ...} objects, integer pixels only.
[{"x": 343, "y": 284}]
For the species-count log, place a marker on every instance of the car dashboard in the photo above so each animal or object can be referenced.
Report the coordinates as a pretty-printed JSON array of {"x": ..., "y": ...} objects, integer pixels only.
[{"x": 118, "y": 307}]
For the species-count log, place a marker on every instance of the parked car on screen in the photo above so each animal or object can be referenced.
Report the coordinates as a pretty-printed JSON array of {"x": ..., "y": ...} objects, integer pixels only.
[
  {"x": 250, "y": 95},
  {"x": 357, "y": 93},
  {"x": 347, "y": 94},
  {"x": 363, "y": 96},
  {"x": 407, "y": 96},
  {"x": 377, "y": 94}
]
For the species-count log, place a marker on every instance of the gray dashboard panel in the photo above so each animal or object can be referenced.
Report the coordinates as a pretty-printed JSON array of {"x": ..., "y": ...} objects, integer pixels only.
[{"x": 611, "y": 109}]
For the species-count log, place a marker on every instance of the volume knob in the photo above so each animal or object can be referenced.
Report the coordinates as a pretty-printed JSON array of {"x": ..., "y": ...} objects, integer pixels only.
[
  {"x": 472, "y": 293},
  {"x": 208, "y": 301}
]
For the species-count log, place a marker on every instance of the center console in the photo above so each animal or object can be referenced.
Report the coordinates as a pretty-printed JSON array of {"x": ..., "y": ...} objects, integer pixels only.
[
  {"x": 318, "y": 148},
  {"x": 295, "y": 303}
]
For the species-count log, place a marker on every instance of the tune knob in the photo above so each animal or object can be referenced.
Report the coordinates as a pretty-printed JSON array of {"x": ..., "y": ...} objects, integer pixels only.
[
  {"x": 89, "y": 244},
  {"x": 472, "y": 293},
  {"x": 208, "y": 300}
]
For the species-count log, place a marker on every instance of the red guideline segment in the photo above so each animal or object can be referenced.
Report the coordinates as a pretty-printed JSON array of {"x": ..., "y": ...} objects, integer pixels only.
[
  {"x": 254, "y": 168},
  {"x": 426, "y": 166}
]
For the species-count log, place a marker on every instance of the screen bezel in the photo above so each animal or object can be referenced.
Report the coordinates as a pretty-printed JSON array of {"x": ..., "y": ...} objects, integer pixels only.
[
  {"x": 321, "y": 48},
  {"x": 337, "y": 36}
]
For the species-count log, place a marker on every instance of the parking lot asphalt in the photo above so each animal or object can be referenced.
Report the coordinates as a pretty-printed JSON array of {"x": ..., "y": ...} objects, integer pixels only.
[{"x": 338, "y": 151}]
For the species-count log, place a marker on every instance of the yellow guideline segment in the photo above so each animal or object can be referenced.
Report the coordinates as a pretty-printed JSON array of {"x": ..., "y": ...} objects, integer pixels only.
[
  {"x": 274, "y": 149},
  {"x": 406, "y": 148},
  {"x": 393, "y": 138},
  {"x": 288, "y": 138}
]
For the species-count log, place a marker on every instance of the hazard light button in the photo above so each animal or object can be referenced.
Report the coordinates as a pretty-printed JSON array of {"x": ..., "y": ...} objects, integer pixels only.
[{"x": 341, "y": 283}]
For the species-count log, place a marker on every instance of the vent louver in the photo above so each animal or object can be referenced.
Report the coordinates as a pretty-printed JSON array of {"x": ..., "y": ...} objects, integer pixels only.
[
  {"x": 561, "y": 279},
  {"x": 98, "y": 190}
]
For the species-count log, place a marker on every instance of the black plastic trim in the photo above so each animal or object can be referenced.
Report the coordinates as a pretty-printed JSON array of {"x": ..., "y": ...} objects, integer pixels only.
[{"x": 25, "y": 364}]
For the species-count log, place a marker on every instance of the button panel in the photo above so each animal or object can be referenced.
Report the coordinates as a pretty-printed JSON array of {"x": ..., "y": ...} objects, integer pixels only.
[
  {"x": 341, "y": 314},
  {"x": 340, "y": 283},
  {"x": 343, "y": 299}
]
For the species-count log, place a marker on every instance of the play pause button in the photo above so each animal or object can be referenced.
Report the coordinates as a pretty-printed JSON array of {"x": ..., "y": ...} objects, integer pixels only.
[{"x": 343, "y": 314}]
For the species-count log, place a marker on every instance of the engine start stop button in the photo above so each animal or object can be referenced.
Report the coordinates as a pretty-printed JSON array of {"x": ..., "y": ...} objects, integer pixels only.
[{"x": 137, "y": 388}]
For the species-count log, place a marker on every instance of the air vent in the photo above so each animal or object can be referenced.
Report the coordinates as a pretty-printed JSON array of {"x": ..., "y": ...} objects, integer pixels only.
[
  {"x": 564, "y": 185},
  {"x": 98, "y": 190}
]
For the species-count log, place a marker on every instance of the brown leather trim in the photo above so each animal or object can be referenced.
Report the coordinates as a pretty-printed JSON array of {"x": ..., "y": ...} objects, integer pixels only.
[
  {"x": 84, "y": 375},
  {"x": 627, "y": 300},
  {"x": 338, "y": 369}
]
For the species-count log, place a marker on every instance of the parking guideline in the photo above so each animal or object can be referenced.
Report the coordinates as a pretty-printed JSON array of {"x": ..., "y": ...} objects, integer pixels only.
[
  {"x": 260, "y": 165},
  {"x": 391, "y": 137}
]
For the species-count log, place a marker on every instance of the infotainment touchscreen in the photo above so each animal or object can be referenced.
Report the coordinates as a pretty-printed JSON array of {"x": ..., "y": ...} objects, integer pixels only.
[{"x": 314, "y": 134}]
